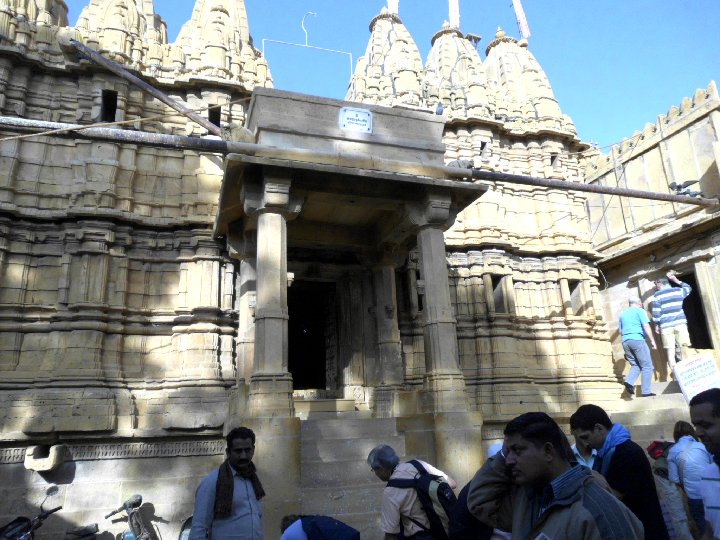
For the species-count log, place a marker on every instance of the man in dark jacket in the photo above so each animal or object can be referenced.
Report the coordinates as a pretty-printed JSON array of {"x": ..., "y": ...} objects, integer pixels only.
[
  {"x": 624, "y": 465},
  {"x": 531, "y": 489}
]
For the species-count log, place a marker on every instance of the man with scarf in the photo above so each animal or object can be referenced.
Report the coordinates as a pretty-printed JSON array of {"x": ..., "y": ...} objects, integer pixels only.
[
  {"x": 227, "y": 502},
  {"x": 624, "y": 465},
  {"x": 705, "y": 416}
]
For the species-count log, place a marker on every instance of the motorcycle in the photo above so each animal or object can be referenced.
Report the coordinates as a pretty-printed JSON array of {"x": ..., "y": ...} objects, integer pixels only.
[
  {"x": 137, "y": 529},
  {"x": 22, "y": 528}
]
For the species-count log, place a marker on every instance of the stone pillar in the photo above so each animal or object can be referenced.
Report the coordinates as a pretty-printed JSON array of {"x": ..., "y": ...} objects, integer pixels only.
[
  {"x": 444, "y": 382},
  {"x": 271, "y": 383},
  {"x": 390, "y": 363},
  {"x": 247, "y": 298}
]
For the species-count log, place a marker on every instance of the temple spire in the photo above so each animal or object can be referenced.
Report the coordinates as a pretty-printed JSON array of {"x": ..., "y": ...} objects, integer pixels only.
[{"x": 454, "y": 14}]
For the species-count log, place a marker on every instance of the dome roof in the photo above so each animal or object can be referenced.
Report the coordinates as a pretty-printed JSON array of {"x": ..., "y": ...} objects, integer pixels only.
[
  {"x": 454, "y": 76},
  {"x": 524, "y": 98},
  {"x": 390, "y": 71}
]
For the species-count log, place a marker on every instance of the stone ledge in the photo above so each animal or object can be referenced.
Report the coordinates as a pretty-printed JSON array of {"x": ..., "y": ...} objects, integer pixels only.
[{"x": 93, "y": 452}]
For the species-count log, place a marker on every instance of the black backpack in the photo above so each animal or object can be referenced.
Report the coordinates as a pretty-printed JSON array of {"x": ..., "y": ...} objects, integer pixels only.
[{"x": 436, "y": 498}]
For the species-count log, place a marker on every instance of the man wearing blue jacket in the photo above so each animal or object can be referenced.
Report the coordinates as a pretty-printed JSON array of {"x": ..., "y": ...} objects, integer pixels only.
[{"x": 624, "y": 465}]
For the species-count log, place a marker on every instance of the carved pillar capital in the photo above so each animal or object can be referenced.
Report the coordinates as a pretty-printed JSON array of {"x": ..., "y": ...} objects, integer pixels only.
[
  {"x": 435, "y": 210},
  {"x": 272, "y": 194}
]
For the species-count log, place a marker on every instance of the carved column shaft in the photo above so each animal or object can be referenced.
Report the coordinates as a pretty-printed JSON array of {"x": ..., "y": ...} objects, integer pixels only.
[
  {"x": 441, "y": 352},
  {"x": 390, "y": 373},
  {"x": 271, "y": 383},
  {"x": 271, "y": 312},
  {"x": 246, "y": 319},
  {"x": 388, "y": 333}
]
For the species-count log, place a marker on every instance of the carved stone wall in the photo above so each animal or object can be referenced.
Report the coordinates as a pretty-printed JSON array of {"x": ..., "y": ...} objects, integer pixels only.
[
  {"x": 523, "y": 279},
  {"x": 117, "y": 307}
]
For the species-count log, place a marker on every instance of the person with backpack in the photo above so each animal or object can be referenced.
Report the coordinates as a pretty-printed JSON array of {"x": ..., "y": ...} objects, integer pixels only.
[
  {"x": 417, "y": 498},
  {"x": 531, "y": 489},
  {"x": 294, "y": 527}
]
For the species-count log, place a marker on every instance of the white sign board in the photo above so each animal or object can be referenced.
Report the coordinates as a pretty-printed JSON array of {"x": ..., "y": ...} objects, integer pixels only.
[
  {"x": 697, "y": 375},
  {"x": 356, "y": 119}
]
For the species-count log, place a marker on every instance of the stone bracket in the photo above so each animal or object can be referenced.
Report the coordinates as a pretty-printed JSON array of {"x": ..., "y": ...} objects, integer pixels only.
[{"x": 36, "y": 459}]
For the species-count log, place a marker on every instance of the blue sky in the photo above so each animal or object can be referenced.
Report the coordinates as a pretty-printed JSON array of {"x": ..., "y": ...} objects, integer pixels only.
[{"x": 614, "y": 64}]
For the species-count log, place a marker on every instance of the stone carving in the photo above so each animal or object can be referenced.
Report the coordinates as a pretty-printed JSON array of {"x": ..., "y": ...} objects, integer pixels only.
[
  {"x": 454, "y": 76},
  {"x": 389, "y": 73},
  {"x": 93, "y": 452}
]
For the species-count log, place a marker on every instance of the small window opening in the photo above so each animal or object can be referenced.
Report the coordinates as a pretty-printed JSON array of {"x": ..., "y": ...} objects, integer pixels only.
[
  {"x": 420, "y": 290},
  {"x": 498, "y": 285},
  {"x": 554, "y": 160},
  {"x": 214, "y": 115},
  {"x": 484, "y": 150},
  {"x": 109, "y": 105},
  {"x": 576, "y": 296}
]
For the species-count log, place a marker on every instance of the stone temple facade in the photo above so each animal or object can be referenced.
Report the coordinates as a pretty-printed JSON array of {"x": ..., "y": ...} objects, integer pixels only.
[{"x": 152, "y": 298}]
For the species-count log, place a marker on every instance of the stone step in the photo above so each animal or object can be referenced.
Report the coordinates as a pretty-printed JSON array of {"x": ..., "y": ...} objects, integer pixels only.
[
  {"x": 334, "y": 474},
  {"x": 322, "y": 415},
  {"x": 639, "y": 405},
  {"x": 661, "y": 388},
  {"x": 349, "y": 428},
  {"x": 304, "y": 408},
  {"x": 328, "y": 450},
  {"x": 665, "y": 388},
  {"x": 343, "y": 500},
  {"x": 660, "y": 432}
]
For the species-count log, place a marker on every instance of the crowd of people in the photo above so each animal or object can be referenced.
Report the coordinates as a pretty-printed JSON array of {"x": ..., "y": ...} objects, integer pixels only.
[{"x": 534, "y": 485}]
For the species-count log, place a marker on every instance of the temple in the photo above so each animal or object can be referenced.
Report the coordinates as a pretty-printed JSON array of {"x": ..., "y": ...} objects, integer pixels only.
[{"x": 329, "y": 281}]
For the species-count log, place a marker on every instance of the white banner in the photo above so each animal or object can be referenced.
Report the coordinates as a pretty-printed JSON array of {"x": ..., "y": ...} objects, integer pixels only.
[{"x": 697, "y": 375}]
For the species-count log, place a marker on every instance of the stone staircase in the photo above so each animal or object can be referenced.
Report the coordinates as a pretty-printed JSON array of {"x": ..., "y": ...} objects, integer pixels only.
[
  {"x": 652, "y": 418},
  {"x": 335, "y": 478}
]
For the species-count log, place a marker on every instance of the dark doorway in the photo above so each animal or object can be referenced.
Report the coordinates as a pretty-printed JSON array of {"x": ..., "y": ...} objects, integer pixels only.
[
  {"x": 311, "y": 309},
  {"x": 697, "y": 323}
]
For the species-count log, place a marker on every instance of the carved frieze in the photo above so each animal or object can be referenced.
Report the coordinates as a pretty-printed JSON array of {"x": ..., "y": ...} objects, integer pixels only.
[{"x": 135, "y": 450}]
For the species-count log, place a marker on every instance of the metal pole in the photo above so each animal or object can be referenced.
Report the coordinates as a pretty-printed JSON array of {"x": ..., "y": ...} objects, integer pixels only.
[
  {"x": 125, "y": 74},
  {"x": 76, "y": 131},
  {"x": 576, "y": 186}
]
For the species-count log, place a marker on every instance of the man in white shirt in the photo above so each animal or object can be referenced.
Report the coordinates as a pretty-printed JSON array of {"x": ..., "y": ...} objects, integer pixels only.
[{"x": 401, "y": 508}]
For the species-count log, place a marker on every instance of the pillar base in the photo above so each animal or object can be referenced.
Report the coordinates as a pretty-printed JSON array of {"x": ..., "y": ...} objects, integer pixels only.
[
  {"x": 444, "y": 391},
  {"x": 271, "y": 395},
  {"x": 386, "y": 401}
]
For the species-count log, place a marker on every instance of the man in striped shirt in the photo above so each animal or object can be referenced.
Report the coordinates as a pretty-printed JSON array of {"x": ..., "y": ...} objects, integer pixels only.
[
  {"x": 705, "y": 416},
  {"x": 669, "y": 317}
]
